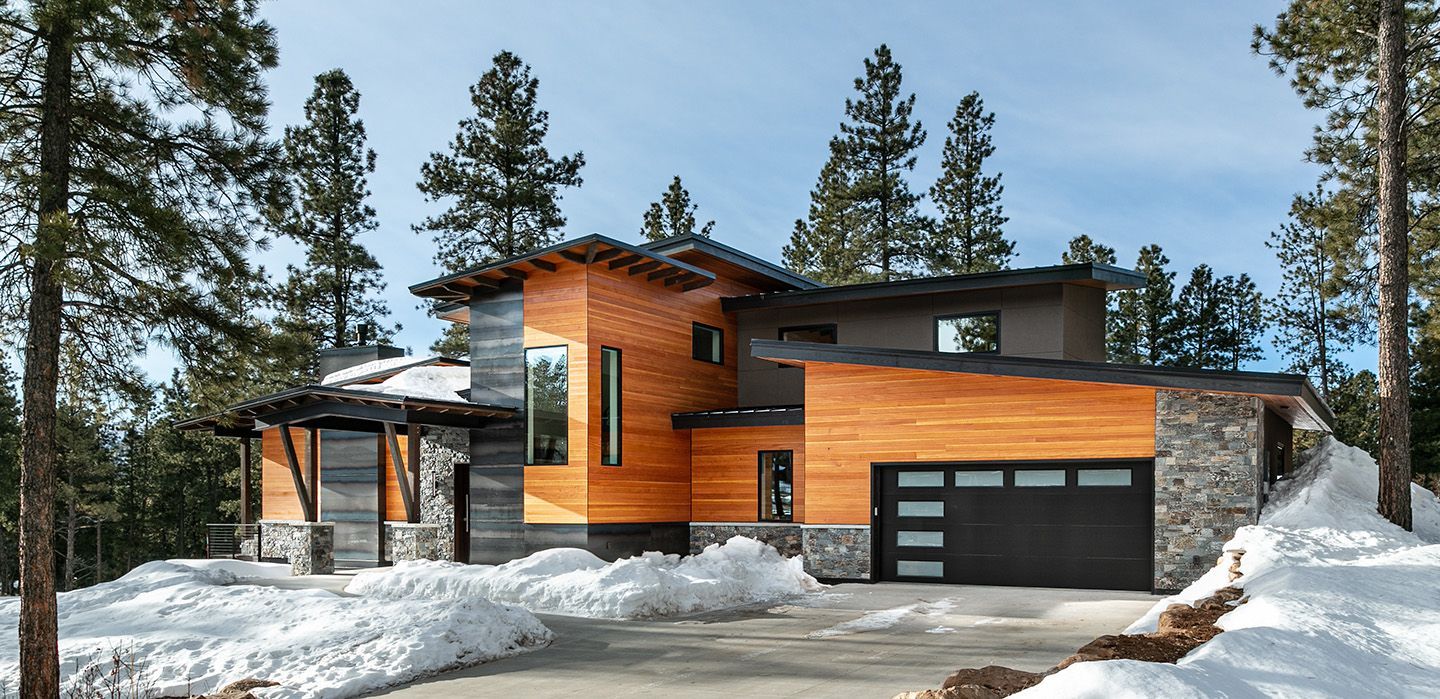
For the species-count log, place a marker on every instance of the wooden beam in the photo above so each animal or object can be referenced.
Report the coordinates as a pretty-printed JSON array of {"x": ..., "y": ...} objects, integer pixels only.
[
  {"x": 590, "y": 251},
  {"x": 546, "y": 265},
  {"x": 645, "y": 267},
  {"x": 293, "y": 462},
  {"x": 680, "y": 278},
  {"x": 412, "y": 459},
  {"x": 691, "y": 286},
  {"x": 663, "y": 273},
  {"x": 246, "y": 514},
  {"x": 312, "y": 461},
  {"x": 607, "y": 253},
  {"x": 625, "y": 261},
  {"x": 514, "y": 273},
  {"x": 573, "y": 256},
  {"x": 412, "y": 513}
]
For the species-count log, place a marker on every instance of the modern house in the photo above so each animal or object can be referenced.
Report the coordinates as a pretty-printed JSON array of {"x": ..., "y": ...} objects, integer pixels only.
[{"x": 666, "y": 396}]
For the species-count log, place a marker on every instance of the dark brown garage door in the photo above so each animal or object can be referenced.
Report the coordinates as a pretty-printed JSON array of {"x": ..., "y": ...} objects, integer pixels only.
[{"x": 1042, "y": 524}]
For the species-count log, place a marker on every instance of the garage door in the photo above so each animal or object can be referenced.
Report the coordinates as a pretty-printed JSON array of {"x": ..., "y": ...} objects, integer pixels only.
[{"x": 1041, "y": 524}]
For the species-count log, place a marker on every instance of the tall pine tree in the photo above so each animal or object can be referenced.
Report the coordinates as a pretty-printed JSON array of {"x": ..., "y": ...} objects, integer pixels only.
[
  {"x": 673, "y": 215},
  {"x": 828, "y": 246},
  {"x": 1242, "y": 320},
  {"x": 1142, "y": 322},
  {"x": 325, "y": 303},
  {"x": 1083, "y": 249},
  {"x": 1199, "y": 321},
  {"x": 501, "y": 183},
  {"x": 139, "y": 162},
  {"x": 968, "y": 238},
  {"x": 9, "y": 475}
]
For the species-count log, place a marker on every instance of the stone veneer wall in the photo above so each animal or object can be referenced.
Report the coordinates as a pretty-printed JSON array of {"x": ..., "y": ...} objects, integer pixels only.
[
  {"x": 786, "y": 538},
  {"x": 840, "y": 552},
  {"x": 405, "y": 541},
  {"x": 309, "y": 547},
  {"x": 1207, "y": 479},
  {"x": 441, "y": 449}
]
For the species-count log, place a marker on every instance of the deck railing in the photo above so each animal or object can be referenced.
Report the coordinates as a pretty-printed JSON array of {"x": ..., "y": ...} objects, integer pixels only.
[{"x": 241, "y": 541}]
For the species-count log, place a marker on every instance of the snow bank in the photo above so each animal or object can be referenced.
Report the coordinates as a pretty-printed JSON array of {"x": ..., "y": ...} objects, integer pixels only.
[
  {"x": 336, "y": 378},
  {"x": 575, "y": 582},
  {"x": 1341, "y": 602},
  {"x": 432, "y": 382},
  {"x": 194, "y": 631}
]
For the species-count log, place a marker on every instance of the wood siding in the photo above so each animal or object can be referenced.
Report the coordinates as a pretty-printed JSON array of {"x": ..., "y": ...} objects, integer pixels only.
[
  {"x": 277, "y": 486},
  {"x": 858, "y": 415},
  {"x": 555, "y": 314},
  {"x": 394, "y": 504},
  {"x": 725, "y": 471}
]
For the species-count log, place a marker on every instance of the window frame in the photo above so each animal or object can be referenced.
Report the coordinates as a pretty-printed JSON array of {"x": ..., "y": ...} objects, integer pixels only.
[
  {"x": 719, "y": 360},
  {"x": 935, "y": 330},
  {"x": 763, "y": 498},
  {"x": 529, "y": 438},
  {"x": 619, "y": 405},
  {"x": 834, "y": 330}
]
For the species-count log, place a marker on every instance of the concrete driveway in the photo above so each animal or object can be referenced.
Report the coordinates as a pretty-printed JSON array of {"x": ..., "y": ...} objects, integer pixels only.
[{"x": 850, "y": 641}]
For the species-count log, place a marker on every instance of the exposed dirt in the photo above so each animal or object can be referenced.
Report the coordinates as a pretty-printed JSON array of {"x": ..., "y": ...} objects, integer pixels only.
[{"x": 1181, "y": 629}]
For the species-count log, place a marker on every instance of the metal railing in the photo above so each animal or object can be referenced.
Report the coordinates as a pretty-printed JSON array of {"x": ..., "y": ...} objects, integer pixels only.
[{"x": 240, "y": 541}]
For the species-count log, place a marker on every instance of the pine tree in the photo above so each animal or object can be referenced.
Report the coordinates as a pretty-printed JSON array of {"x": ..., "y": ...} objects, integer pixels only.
[
  {"x": 1242, "y": 319},
  {"x": 673, "y": 215},
  {"x": 828, "y": 247},
  {"x": 1314, "y": 322},
  {"x": 9, "y": 476},
  {"x": 325, "y": 303},
  {"x": 1199, "y": 328},
  {"x": 139, "y": 161},
  {"x": 1082, "y": 250},
  {"x": 968, "y": 237},
  {"x": 502, "y": 185},
  {"x": 1141, "y": 324}
]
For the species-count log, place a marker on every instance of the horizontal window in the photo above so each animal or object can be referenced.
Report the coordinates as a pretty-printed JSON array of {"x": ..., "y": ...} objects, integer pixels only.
[
  {"x": 707, "y": 343},
  {"x": 923, "y": 508},
  {"x": 823, "y": 334},
  {"x": 976, "y": 332},
  {"x": 979, "y": 479},
  {"x": 922, "y": 479},
  {"x": 929, "y": 539},
  {"x": 1104, "y": 476},
  {"x": 920, "y": 569},
  {"x": 1033, "y": 478}
]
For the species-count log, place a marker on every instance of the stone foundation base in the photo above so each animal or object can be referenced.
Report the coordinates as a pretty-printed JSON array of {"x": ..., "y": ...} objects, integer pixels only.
[
  {"x": 405, "y": 541},
  {"x": 838, "y": 552},
  {"x": 309, "y": 547},
  {"x": 786, "y": 538}
]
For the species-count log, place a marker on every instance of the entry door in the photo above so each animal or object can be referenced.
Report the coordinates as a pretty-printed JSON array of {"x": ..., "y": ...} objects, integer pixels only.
[{"x": 1041, "y": 524}]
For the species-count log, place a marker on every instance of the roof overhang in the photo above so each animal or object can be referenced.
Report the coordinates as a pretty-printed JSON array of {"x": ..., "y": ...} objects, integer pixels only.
[
  {"x": 776, "y": 274},
  {"x": 1105, "y": 277},
  {"x": 381, "y": 375},
  {"x": 1290, "y": 395},
  {"x": 764, "y": 416},
  {"x": 458, "y": 288},
  {"x": 327, "y": 407}
]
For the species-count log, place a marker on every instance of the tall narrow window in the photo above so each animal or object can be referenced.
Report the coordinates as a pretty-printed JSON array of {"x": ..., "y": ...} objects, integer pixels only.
[
  {"x": 707, "y": 343},
  {"x": 777, "y": 474},
  {"x": 547, "y": 406},
  {"x": 609, "y": 406}
]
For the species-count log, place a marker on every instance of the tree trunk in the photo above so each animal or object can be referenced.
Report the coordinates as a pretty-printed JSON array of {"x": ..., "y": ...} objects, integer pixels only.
[
  {"x": 72, "y": 523},
  {"x": 39, "y": 645},
  {"x": 1394, "y": 339},
  {"x": 98, "y": 559}
]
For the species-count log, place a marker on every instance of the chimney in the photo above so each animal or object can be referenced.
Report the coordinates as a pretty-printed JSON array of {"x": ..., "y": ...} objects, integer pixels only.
[{"x": 337, "y": 358}]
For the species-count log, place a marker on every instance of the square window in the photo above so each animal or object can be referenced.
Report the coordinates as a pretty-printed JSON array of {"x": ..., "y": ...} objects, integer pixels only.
[
  {"x": 707, "y": 343},
  {"x": 975, "y": 332}
]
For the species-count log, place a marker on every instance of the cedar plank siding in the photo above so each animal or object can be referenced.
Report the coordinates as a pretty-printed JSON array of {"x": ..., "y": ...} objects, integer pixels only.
[
  {"x": 555, "y": 314},
  {"x": 277, "y": 487},
  {"x": 858, "y": 415},
  {"x": 394, "y": 504},
  {"x": 725, "y": 470}
]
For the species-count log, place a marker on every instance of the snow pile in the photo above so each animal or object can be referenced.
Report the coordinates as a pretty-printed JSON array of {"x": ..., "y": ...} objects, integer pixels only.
[
  {"x": 426, "y": 382},
  {"x": 1341, "y": 602},
  {"x": 194, "y": 631},
  {"x": 335, "y": 378},
  {"x": 575, "y": 582}
]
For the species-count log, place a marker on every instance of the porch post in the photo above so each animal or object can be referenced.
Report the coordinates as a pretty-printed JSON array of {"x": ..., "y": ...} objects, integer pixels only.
[
  {"x": 246, "y": 516},
  {"x": 312, "y": 461},
  {"x": 412, "y": 460}
]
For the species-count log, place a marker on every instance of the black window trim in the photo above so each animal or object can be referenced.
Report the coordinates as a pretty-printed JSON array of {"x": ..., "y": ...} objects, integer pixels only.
[
  {"x": 526, "y": 404},
  {"x": 935, "y": 329},
  {"x": 780, "y": 335},
  {"x": 719, "y": 361},
  {"x": 763, "y": 497},
  {"x": 619, "y": 405}
]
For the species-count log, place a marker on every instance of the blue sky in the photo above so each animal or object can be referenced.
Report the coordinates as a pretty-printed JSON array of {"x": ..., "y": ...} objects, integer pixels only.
[{"x": 1132, "y": 122}]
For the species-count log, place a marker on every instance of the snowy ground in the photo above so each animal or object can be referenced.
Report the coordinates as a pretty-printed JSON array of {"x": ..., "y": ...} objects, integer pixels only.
[
  {"x": 577, "y": 583},
  {"x": 195, "y": 632},
  {"x": 1341, "y": 602}
]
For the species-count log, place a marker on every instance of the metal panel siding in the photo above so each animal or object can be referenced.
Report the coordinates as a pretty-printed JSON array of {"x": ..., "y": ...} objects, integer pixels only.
[{"x": 347, "y": 492}]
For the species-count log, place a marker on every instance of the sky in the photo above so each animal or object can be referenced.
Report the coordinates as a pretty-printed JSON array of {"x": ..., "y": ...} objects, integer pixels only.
[{"x": 1135, "y": 123}]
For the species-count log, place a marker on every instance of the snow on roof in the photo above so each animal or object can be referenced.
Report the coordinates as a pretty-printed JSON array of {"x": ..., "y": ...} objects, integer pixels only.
[
  {"x": 426, "y": 382},
  {"x": 339, "y": 377}
]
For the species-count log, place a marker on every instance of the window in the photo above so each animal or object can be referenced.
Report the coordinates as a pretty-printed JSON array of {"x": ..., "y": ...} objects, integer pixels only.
[
  {"x": 1103, "y": 476},
  {"x": 707, "y": 343},
  {"x": 547, "y": 405},
  {"x": 777, "y": 476},
  {"x": 920, "y": 508},
  {"x": 609, "y": 406},
  {"x": 920, "y": 569},
  {"x": 824, "y": 334},
  {"x": 922, "y": 539},
  {"x": 920, "y": 479},
  {"x": 1039, "y": 478},
  {"x": 975, "y": 332},
  {"x": 979, "y": 479}
]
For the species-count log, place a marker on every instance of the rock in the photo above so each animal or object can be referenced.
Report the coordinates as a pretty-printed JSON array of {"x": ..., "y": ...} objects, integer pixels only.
[
  {"x": 989, "y": 681},
  {"x": 240, "y": 689},
  {"x": 1150, "y": 647}
]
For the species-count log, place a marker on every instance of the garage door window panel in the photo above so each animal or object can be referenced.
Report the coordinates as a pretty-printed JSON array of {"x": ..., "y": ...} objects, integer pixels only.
[
  {"x": 1039, "y": 478},
  {"x": 921, "y": 479},
  {"x": 919, "y": 569},
  {"x": 921, "y": 508},
  {"x": 979, "y": 479},
  {"x": 920, "y": 538},
  {"x": 1088, "y": 477}
]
